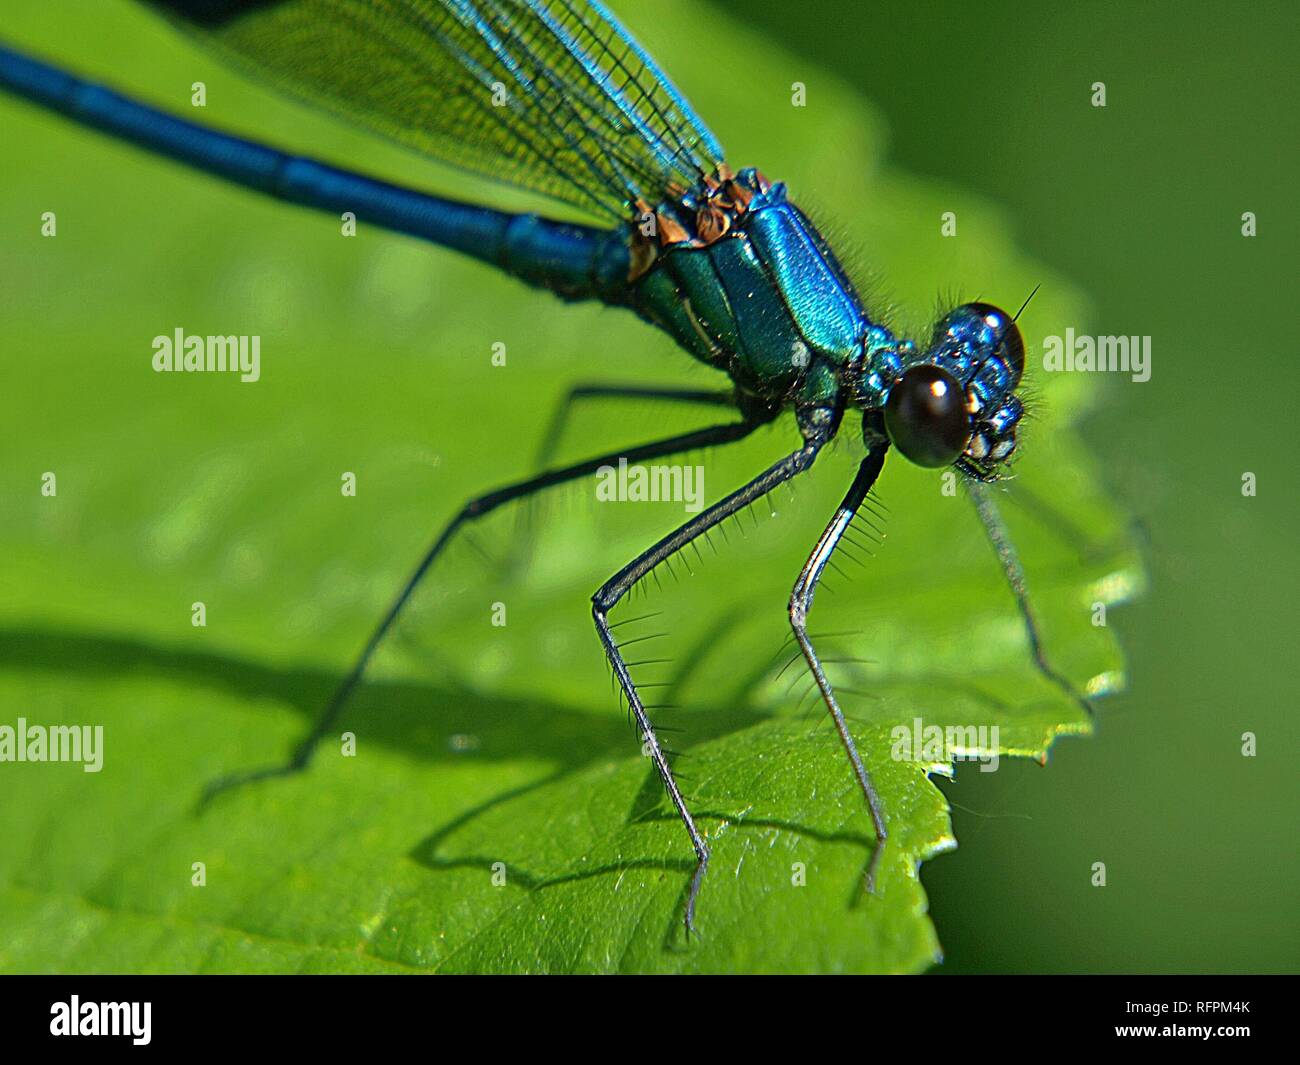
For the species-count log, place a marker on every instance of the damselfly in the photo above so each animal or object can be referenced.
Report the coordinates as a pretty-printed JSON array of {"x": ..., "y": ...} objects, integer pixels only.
[{"x": 554, "y": 96}]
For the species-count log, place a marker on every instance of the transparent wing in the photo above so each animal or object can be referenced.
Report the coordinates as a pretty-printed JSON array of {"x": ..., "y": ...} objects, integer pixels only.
[{"x": 550, "y": 95}]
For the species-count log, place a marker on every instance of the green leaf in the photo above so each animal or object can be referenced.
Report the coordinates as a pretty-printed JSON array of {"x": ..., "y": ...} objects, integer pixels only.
[{"x": 478, "y": 747}]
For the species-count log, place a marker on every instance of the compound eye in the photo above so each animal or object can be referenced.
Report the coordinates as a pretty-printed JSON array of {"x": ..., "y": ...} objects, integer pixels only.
[
  {"x": 926, "y": 417},
  {"x": 1010, "y": 345}
]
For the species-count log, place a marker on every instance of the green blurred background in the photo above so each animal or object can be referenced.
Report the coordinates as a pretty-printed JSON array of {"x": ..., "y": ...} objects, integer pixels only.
[{"x": 1138, "y": 205}]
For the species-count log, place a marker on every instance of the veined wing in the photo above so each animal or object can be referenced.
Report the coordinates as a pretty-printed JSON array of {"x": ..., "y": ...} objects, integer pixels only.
[{"x": 551, "y": 95}]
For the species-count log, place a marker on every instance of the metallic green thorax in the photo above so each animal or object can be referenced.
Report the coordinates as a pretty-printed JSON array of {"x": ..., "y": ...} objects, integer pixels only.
[{"x": 767, "y": 302}]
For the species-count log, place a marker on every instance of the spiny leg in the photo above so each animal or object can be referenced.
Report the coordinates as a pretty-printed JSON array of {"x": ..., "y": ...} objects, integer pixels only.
[
  {"x": 987, "y": 509},
  {"x": 607, "y": 597},
  {"x": 519, "y": 556},
  {"x": 560, "y": 419},
  {"x": 474, "y": 509},
  {"x": 801, "y": 600}
]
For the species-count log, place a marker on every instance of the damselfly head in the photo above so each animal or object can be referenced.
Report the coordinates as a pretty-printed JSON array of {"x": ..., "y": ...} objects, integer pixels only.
[{"x": 955, "y": 402}]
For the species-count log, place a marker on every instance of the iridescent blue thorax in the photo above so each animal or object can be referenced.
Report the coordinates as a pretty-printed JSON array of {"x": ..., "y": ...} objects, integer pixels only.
[{"x": 743, "y": 280}]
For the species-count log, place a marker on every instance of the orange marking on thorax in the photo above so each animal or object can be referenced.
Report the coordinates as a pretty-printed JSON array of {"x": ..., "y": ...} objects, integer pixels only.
[{"x": 725, "y": 201}]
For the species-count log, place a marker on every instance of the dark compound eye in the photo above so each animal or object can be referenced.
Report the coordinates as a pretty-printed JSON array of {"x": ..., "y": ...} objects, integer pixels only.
[
  {"x": 1011, "y": 345},
  {"x": 926, "y": 417}
]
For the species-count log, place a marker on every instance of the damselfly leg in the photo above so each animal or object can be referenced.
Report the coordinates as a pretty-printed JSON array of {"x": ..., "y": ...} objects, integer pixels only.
[
  {"x": 521, "y": 550},
  {"x": 471, "y": 511},
  {"x": 584, "y": 392},
  {"x": 991, "y": 518},
  {"x": 801, "y": 600},
  {"x": 613, "y": 590}
]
